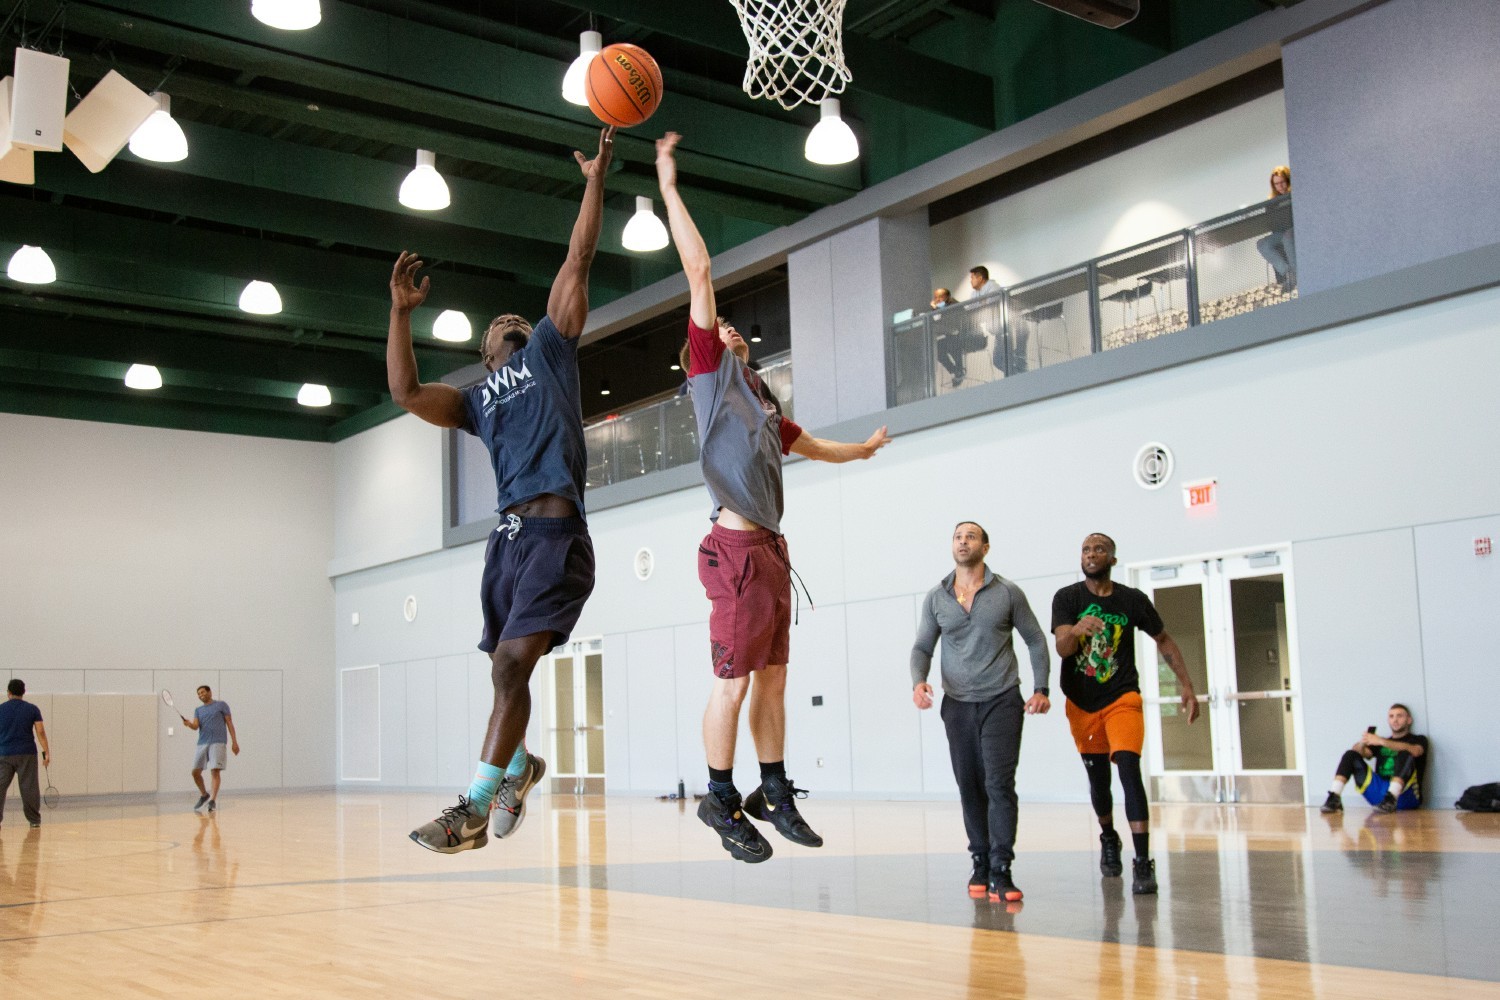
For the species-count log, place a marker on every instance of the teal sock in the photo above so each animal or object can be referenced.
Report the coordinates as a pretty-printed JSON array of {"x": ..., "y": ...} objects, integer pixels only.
[
  {"x": 517, "y": 763},
  {"x": 482, "y": 790}
]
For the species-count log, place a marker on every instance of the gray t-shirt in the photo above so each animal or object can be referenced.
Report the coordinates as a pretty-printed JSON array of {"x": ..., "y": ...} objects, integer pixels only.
[
  {"x": 742, "y": 432},
  {"x": 211, "y": 727},
  {"x": 979, "y": 662}
]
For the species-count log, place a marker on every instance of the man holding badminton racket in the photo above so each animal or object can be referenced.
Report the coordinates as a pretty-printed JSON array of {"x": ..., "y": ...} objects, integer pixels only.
[
  {"x": 216, "y": 736},
  {"x": 21, "y": 733}
]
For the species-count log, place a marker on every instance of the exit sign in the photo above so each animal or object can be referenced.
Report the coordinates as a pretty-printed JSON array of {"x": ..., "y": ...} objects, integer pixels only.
[{"x": 1200, "y": 495}]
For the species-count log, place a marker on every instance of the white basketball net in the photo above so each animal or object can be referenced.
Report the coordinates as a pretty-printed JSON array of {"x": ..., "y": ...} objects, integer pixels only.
[{"x": 796, "y": 49}]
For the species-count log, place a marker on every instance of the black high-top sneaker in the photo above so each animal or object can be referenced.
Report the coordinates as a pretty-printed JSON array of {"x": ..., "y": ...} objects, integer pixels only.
[
  {"x": 1001, "y": 888},
  {"x": 1109, "y": 854},
  {"x": 739, "y": 836},
  {"x": 1332, "y": 804},
  {"x": 1144, "y": 882},
  {"x": 979, "y": 879},
  {"x": 775, "y": 802}
]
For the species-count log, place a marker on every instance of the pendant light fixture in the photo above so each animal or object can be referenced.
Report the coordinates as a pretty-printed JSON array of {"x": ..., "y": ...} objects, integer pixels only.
[
  {"x": 644, "y": 232},
  {"x": 261, "y": 298},
  {"x": 143, "y": 377},
  {"x": 313, "y": 394},
  {"x": 452, "y": 325},
  {"x": 160, "y": 138},
  {"x": 573, "y": 91},
  {"x": 288, "y": 15},
  {"x": 424, "y": 188},
  {"x": 831, "y": 141},
  {"x": 30, "y": 265}
]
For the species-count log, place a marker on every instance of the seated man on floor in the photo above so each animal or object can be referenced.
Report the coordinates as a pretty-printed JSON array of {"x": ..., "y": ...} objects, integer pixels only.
[{"x": 1387, "y": 770}]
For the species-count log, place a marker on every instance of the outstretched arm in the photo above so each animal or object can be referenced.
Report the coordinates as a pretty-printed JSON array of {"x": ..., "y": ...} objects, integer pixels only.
[
  {"x": 690, "y": 246},
  {"x": 820, "y": 450},
  {"x": 434, "y": 402},
  {"x": 568, "y": 304}
]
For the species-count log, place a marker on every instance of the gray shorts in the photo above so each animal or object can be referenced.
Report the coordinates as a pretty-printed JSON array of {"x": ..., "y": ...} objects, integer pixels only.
[{"x": 211, "y": 757}]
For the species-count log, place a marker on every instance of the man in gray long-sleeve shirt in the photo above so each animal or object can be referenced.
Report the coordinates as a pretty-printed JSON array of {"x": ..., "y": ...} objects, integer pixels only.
[{"x": 975, "y": 611}]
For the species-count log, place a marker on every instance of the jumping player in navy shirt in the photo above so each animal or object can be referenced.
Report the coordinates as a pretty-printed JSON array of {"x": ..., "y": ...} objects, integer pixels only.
[{"x": 539, "y": 563}]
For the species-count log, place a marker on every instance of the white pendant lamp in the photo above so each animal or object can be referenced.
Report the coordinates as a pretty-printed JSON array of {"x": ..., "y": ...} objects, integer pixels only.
[
  {"x": 452, "y": 325},
  {"x": 313, "y": 394},
  {"x": 261, "y": 298},
  {"x": 31, "y": 265},
  {"x": 424, "y": 188},
  {"x": 831, "y": 141},
  {"x": 589, "y": 44},
  {"x": 288, "y": 15},
  {"x": 644, "y": 232},
  {"x": 143, "y": 377},
  {"x": 160, "y": 138}
]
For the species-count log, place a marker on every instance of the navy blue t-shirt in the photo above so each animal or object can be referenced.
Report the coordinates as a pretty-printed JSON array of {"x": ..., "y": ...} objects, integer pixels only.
[
  {"x": 17, "y": 718},
  {"x": 530, "y": 418}
]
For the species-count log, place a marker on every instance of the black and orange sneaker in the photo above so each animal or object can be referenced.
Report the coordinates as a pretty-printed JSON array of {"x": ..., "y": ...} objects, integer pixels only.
[
  {"x": 775, "y": 802},
  {"x": 979, "y": 878},
  {"x": 1110, "y": 864},
  {"x": 738, "y": 835},
  {"x": 1001, "y": 888}
]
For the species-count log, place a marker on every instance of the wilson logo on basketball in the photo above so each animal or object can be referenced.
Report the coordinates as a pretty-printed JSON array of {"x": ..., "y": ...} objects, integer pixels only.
[{"x": 634, "y": 78}]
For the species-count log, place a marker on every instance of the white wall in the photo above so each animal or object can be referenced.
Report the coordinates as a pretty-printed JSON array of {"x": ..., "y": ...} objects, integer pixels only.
[
  {"x": 133, "y": 558},
  {"x": 387, "y": 483},
  {"x": 1178, "y": 180},
  {"x": 1352, "y": 444}
]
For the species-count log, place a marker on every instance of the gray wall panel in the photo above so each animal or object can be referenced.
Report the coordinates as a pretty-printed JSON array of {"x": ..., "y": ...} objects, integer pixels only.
[
  {"x": 421, "y": 724},
  {"x": 1457, "y": 588},
  {"x": 653, "y": 744},
  {"x": 885, "y": 732},
  {"x": 819, "y": 666},
  {"x": 1393, "y": 120},
  {"x": 254, "y": 699}
]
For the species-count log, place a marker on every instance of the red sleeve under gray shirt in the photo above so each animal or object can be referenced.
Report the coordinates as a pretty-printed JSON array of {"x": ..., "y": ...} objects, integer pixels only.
[{"x": 979, "y": 661}]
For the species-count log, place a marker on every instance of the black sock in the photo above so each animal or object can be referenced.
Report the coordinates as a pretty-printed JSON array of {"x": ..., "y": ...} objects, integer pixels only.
[
  {"x": 775, "y": 769},
  {"x": 1142, "y": 843},
  {"x": 721, "y": 783}
]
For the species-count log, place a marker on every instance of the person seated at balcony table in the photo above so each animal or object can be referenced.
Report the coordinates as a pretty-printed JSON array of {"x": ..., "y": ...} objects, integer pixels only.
[
  {"x": 952, "y": 344},
  {"x": 1278, "y": 247},
  {"x": 981, "y": 282}
]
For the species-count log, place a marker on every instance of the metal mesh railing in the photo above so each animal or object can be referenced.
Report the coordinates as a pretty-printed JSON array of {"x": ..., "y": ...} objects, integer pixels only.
[
  {"x": 1143, "y": 292},
  {"x": 1234, "y": 264},
  {"x": 1246, "y": 260}
]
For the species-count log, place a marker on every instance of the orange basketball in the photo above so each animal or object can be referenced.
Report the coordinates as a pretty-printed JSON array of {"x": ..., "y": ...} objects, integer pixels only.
[{"x": 624, "y": 85}]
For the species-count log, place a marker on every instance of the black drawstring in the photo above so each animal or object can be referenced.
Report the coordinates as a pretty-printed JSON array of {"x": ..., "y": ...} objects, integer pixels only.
[{"x": 797, "y": 613}]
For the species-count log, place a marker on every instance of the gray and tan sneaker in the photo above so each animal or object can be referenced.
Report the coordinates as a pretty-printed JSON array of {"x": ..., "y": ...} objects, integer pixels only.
[
  {"x": 457, "y": 829},
  {"x": 510, "y": 799}
]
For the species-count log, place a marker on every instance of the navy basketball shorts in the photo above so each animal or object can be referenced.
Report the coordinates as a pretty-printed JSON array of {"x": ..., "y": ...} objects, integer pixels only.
[
  {"x": 748, "y": 579},
  {"x": 537, "y": 577}
]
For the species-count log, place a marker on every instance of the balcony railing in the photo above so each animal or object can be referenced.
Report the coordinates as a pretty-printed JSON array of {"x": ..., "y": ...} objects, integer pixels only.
[
  {"x": 1230, "y": 265},
  {"x": 662, "y": 434}
]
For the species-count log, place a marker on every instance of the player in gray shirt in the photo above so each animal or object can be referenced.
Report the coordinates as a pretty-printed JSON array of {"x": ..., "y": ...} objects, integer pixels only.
[{"x": 975, "y": 611}]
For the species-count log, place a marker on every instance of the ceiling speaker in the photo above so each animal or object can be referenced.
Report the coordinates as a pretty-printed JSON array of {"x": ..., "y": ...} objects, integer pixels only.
[
  {"x": 38, "y": 101},
  {"x": 17, "y": 165},
  {"x": 1105, "y": 13},
  {"x": 103, "y": 122}
]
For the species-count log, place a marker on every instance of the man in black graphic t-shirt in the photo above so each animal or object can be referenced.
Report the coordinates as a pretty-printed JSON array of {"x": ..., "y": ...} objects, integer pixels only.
[
  {"x": 1094, "y": 622},
  {"x": 539, "y": 562}
]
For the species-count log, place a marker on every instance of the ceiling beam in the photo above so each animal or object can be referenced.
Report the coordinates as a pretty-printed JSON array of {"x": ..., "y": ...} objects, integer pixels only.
[
  {"x": 133, "y": 183},
  {"x": 97, "y": 234}
]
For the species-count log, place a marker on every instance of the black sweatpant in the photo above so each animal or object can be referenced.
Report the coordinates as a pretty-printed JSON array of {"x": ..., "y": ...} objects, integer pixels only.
[
  {"x": 984, "y": 741},
  {"x": 22, "y": 766}
]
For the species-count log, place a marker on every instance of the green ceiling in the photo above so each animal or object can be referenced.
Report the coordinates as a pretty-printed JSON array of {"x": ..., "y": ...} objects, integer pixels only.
[{"x": 299, "y": 141}]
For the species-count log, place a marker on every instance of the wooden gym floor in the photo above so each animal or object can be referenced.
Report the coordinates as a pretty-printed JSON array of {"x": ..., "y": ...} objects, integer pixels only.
[{"x": 321, "y": 894}]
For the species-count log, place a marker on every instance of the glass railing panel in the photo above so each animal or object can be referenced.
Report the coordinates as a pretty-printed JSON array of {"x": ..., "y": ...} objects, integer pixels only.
[
  {"x": 776, "y": 372},
  {"x": 1245, "y": 261},
  {"x": 638, "y": 444},
  {"x": 599, "y": 439},
  {"x": 1050, "y": 320},
  {"x": 681, "y": 432},
  {"x": 1143, "y": 292}
]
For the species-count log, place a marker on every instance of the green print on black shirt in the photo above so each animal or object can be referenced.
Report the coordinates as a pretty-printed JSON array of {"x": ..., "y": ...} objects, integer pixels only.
[{"x": 1097, "y": 659}]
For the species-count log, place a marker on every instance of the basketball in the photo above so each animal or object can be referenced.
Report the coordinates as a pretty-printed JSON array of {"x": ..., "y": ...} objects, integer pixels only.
[{"x": 624, "y": 85}]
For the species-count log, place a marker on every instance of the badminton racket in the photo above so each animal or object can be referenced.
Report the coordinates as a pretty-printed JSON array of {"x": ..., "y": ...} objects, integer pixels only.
[
  {"x": 166, "y": 697},
  {"x": 51, "y": 796}
]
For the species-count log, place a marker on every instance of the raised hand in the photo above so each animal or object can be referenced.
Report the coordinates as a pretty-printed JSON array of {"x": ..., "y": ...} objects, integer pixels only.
[
  {"x": 666, "y": 159},
  {"x": 874, "y": 443},
  {"x": 599, "y": 165},
  {"x": 406, "y": 294}
]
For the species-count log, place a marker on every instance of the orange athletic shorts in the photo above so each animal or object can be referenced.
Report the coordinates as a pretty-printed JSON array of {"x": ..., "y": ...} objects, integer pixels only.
[{"x": 1120, "y": 725}]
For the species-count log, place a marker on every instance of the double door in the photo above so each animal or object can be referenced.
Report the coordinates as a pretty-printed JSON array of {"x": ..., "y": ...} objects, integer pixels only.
[
  {"x": 1232, "y": 615},
  {"x": 577, "y": 762}
]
